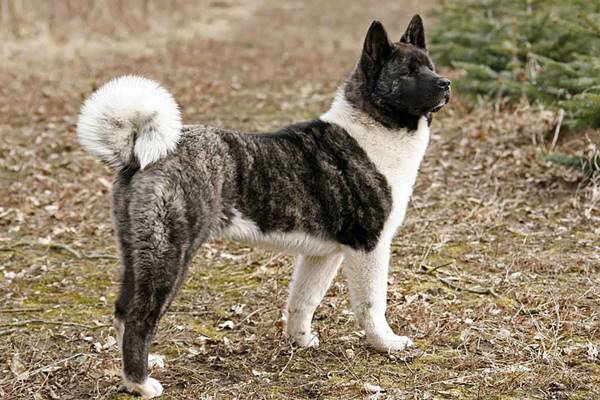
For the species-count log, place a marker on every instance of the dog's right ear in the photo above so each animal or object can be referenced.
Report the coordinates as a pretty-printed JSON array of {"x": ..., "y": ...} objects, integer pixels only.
[{"x": 377, "y": 46}]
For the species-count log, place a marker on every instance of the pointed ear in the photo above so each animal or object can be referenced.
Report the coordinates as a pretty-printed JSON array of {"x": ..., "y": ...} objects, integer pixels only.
[
  {"x": 415, "y": 33},
  {"x": 377, "y": 45}
]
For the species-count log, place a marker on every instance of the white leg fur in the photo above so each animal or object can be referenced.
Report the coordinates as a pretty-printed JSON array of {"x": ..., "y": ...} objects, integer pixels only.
[
  {"x": 366, "y": 274},
  {"x": 311, "y": 278}
]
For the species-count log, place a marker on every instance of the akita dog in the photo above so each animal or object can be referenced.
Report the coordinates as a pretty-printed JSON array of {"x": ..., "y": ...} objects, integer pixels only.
[{"x": 333, "y": 190}]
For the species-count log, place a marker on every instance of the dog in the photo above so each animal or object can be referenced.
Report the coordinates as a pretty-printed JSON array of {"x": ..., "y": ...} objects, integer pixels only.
[{"x": 330, "y": 190}]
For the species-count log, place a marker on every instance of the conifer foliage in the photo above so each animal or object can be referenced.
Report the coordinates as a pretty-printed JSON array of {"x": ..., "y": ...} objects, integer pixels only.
[{"x": 547, "y": 51}]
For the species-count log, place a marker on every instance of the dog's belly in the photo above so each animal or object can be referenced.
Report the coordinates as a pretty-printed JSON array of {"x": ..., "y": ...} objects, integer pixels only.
[{"x": 244, "y": 230}]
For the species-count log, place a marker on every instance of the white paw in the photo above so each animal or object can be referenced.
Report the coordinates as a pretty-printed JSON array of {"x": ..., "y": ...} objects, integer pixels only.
[
  {"x": 149, "y": 389},
  {"x": 390, "y": 343},
  {"x": 304, "y": 339}
]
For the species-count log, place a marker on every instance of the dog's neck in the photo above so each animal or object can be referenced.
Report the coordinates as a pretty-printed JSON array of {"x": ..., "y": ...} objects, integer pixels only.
[
  {"x": 392, "y": 150},
  {"x": 358, "y": 123},
  {"x": 397, "y": 153}
]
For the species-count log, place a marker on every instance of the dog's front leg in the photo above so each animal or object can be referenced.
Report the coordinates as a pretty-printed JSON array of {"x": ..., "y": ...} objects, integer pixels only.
[
  {"x": 366, "y": 273},
  {"x": 311, "y": 278}
]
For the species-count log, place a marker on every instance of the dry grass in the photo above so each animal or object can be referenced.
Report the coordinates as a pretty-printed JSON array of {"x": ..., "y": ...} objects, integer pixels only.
[{"x": 496, "y": 272}]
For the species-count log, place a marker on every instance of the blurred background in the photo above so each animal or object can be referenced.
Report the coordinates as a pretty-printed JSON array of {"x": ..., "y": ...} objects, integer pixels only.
[
  {"x": 495, "y": 273},
  {"x": 540, "y": 52}
]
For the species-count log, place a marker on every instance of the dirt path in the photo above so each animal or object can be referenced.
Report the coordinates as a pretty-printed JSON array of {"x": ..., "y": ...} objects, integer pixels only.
[{"x": 496, "y": 272}]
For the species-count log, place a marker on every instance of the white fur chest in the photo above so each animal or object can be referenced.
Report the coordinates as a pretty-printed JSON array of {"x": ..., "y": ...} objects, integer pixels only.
[
  {"x": 396, "y": 154},
  {"x": 398, "y": 157}
]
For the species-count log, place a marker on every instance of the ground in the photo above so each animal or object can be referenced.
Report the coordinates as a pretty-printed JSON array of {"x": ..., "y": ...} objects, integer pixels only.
[{"x": 495, "y": 273}]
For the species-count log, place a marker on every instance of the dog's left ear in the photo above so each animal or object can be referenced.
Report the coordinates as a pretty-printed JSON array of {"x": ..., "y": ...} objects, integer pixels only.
[{"x": 415, "y": 33}]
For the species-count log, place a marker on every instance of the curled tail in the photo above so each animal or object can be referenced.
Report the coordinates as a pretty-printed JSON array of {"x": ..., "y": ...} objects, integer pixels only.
[{"x": 129, "y": 121}]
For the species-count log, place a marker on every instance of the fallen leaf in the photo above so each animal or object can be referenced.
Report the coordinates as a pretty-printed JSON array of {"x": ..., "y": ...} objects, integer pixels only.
[
  {"x": 156, "y": 361},
  {"x": 370, "y": 388},
  {"x": 17, "y": 367},
  {"x": 226, "y": 325}
]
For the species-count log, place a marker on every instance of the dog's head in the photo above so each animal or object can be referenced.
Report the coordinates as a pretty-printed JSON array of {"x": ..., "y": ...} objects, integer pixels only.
[{"x": 396, "y": 83}]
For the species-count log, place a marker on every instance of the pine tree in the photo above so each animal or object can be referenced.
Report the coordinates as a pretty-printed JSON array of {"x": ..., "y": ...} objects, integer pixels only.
[
  {"x": 545, "y": 50},
  {"x": 589, "y": 165}
]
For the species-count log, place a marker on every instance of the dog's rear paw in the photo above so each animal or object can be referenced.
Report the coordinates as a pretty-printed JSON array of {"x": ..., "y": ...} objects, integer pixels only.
[
  {"x": 390, "y": 343},
  {"x": 149, "y": 389}
]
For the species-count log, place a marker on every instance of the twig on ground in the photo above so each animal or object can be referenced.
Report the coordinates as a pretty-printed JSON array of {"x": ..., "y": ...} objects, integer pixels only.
[
  {"x": 349, "y": 365},
  {"x": 476, "y": 289},
  {"x": 19, "y": 310},
  {"x": 48, "y": 244},
  {"x": 561, "y": 116},
  {"x": 43, "y": 321},
  {"x": 247, "y": 317},
  {"x": 46, "y": 367},
  {"x": 96, "y": 256},
  {"x": 461, "y": 379},
  {"x": 60, "y": 246},
  {"x": 430, "y": 270},
  {"x": 264, "y": 264},
  {"x": 425, "y": 254},
  {"x": 287, "y": 363}
]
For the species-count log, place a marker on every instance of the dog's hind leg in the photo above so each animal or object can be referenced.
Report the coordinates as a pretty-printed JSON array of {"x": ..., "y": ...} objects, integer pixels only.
[
  {"x": 155, "y": 286},
  {"x": 126, "y": 292},
  {"x": 160, "y": 257},
  {"x": 367, "y": 276},
  {"x": 121, "y": 218},
  {"x": 311, "y": 278}
]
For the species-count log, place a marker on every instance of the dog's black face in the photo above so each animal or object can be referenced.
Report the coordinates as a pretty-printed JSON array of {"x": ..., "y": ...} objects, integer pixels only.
[{"x": 396, "y": 83}]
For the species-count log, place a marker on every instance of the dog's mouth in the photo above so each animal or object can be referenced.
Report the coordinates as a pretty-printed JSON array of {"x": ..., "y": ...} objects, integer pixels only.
[{"x": 441, "y": 104}]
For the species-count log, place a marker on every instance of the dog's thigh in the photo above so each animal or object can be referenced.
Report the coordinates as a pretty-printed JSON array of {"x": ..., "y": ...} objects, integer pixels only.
[
  {"x": 311, "y": 278},
  {"x": 367, "y": 277}
]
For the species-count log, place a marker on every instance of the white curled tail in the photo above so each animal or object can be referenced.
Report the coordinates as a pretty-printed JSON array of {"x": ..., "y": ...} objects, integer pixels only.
[{"x": 129, "y": 121}]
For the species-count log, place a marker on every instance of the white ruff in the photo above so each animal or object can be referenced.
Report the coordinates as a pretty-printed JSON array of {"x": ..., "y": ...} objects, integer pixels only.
[{"x": 397, "y": 154}]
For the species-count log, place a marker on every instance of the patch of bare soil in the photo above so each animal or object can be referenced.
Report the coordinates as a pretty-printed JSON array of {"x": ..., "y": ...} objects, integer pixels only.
[{"x": 495, "y": 273}]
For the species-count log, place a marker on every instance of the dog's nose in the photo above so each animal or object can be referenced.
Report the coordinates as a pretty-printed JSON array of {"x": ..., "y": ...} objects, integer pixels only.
[{"x": 444, "y": 83}]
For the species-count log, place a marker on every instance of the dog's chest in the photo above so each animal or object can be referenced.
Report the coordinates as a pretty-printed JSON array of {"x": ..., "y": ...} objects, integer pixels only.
[{"x": 397, "y": 155}]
